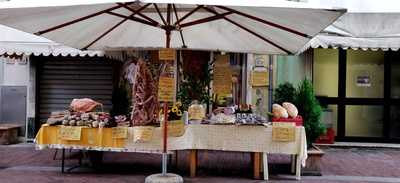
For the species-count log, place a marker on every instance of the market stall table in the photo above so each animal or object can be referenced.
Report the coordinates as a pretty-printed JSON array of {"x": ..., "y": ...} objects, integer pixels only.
[{"x": 244, "y": 138}]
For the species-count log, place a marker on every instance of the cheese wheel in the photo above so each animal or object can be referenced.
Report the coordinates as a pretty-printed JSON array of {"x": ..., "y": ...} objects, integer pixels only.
[{"x": 291, "y": 109}]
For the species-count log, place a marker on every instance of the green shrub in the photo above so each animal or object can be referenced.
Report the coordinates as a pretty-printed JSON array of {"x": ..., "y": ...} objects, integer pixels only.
[
  {"x": 285, "y": 92},
  {"x": 310, "y": 110}
]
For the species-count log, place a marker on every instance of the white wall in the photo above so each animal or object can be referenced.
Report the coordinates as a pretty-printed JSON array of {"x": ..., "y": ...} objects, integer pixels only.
[
  {"x": 18, "y": 73},
  {"x": 15, "y": 73}
]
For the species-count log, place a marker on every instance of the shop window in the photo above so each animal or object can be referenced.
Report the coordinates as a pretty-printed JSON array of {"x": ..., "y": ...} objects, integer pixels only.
[
  {"x": 364, "y": 121},
  {"x": 329, "y": 117},
  {"x": 364, "y": 75},
  {"x": 395, "y": 78},
  {"x": 395, "y": 121},
  {"x": 325, "y": 72}
]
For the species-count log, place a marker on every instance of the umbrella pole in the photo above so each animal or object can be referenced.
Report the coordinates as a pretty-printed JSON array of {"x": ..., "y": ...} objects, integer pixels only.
[{"x": 165, "y": 136}]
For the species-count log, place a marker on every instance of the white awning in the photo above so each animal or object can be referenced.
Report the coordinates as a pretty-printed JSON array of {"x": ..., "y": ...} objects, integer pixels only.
[
  {"x": 17, "y": 43},
  {"x": 364, "y": 31}
]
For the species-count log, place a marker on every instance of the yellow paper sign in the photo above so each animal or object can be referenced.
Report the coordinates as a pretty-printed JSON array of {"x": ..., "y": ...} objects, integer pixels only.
[
  {"x": 166, "y": 89},
  {"x": 166, "y": 54},
  {"x": 142, "y": 133},
  {"x": 70, "y": 133},
  {"x": 283, "y": 133},
  {"x": 259, "y": 78},
  {"x": 176, "y": 128},
  {"x": 120, "y": 132},
  {"x": 222, "y": 79},
  {"x": 289, "y": 124}
]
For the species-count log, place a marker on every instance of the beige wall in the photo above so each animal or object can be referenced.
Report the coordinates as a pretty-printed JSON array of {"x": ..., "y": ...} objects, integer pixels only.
[{"x": 326, "y": 67}]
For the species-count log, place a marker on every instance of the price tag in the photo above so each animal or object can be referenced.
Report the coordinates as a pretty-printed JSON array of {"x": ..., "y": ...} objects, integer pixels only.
[
  {"x": 142, "y": 133},
  {"x": 176, "y": 128},
  {"x": 120, "y": 132},
  {"x": 166, "y": 54},
  {"x": 70, "y": 133},
  {"x": 283, "y": 133}
]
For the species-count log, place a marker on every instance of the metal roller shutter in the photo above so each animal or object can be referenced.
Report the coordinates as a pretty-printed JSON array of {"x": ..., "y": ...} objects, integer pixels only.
[{"x": 63, "y": 79}]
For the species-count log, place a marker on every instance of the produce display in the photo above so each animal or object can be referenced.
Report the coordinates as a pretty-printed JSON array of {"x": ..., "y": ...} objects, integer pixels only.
[
  {"x": 81, "y": 113},
  {"x": 90, "y": 119}
]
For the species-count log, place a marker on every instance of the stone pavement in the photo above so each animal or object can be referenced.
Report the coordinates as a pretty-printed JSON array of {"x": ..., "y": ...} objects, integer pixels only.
[{"x": 21, "y": 163}]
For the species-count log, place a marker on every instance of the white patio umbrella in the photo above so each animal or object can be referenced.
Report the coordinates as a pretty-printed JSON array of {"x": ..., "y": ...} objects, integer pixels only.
[{"x": 274, "y": 27}]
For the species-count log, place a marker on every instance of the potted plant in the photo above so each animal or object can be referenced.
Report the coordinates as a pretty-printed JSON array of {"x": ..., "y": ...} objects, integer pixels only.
[
  {"x": 304, "y": 98},
  {"x": 310, "y": 110}
]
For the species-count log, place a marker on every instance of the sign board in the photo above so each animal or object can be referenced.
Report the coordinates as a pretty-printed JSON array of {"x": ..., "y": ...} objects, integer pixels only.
[
  {"x": 176, "y": 128},
  {"x": 70, "y": 133},
  {"x": 166, "y": 54},
  {"x": 259, "y": 78},
  {"x": 363, "y": 81},
  {"x": 283, "y": 133},
  {"x": 119, "y": 132},
  {"x": 222, "y": 79},
  {"x": 143, "y": 133},
  {"x": 166, "y": 89}
]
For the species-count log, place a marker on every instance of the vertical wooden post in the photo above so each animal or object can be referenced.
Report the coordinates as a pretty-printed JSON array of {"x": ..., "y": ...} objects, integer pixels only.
[
  {"x": 256, "y": 165},
  {"x": 193, "y": 162}
]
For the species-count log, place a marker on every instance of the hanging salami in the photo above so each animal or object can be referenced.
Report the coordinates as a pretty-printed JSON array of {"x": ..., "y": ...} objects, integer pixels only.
[{"x": 144, "y": 96}]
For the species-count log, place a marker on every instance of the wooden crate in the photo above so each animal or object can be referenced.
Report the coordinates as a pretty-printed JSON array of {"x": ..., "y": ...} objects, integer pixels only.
[{"x": 8, "y": 134}]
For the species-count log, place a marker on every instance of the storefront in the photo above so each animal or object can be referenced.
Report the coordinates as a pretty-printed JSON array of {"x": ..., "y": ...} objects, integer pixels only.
[{"x": 361, "y": 89}]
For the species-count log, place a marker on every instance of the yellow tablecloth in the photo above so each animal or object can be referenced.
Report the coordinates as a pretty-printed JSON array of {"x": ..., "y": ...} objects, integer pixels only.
[
  {"x": 91, "y": 138},
  {"x": 209, "y": 137}
]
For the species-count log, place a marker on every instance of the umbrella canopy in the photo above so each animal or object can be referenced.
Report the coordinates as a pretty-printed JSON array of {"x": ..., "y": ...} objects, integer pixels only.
[{"x": 262, "y": 27}]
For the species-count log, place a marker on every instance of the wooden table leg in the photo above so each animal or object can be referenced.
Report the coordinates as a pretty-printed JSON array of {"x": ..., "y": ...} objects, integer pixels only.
[
  {"x": 193, "y": 162},
  {"x": 256, "y": 165}
]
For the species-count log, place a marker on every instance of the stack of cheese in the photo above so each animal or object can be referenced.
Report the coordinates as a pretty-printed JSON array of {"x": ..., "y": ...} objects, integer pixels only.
[{"x": 285, "y": 110}]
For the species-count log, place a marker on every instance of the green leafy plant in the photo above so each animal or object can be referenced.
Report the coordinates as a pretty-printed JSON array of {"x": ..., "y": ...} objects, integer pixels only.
[
  {"x": 310, "y": 110},
  {"x": 192, "y": 88},
  {"x": 196, "y": 76},
  {"x": 285, "y": 92}
]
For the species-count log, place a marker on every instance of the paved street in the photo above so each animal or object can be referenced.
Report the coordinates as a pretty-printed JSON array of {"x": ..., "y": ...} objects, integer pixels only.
[{"x": 21, "y": 163}]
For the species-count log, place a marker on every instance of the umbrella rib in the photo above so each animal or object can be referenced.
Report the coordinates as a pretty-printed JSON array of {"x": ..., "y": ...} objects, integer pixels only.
[
  {"x": 205, "y": 20},
  {"x": 115, "y": 26},
  {"x": 138, "y": 12},
  {"x": 159, "y": 13},
  {"x": 251, "y": 32},
  {"x": 188, "y": 14},
  {"x": 133, "y": 19},
  {"x": 105, "y": 33},
  {"x": 266, "y": 22},
  {"x": 79, "y": 19},
  {"x": 177, "y": 23}
]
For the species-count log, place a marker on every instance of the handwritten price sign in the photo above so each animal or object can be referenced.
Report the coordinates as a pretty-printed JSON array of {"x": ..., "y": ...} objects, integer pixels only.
[
  {"x": 283, "y": 133},
  {"x": 70, "y": 133},
  {"x": 120, "y": 133}
]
